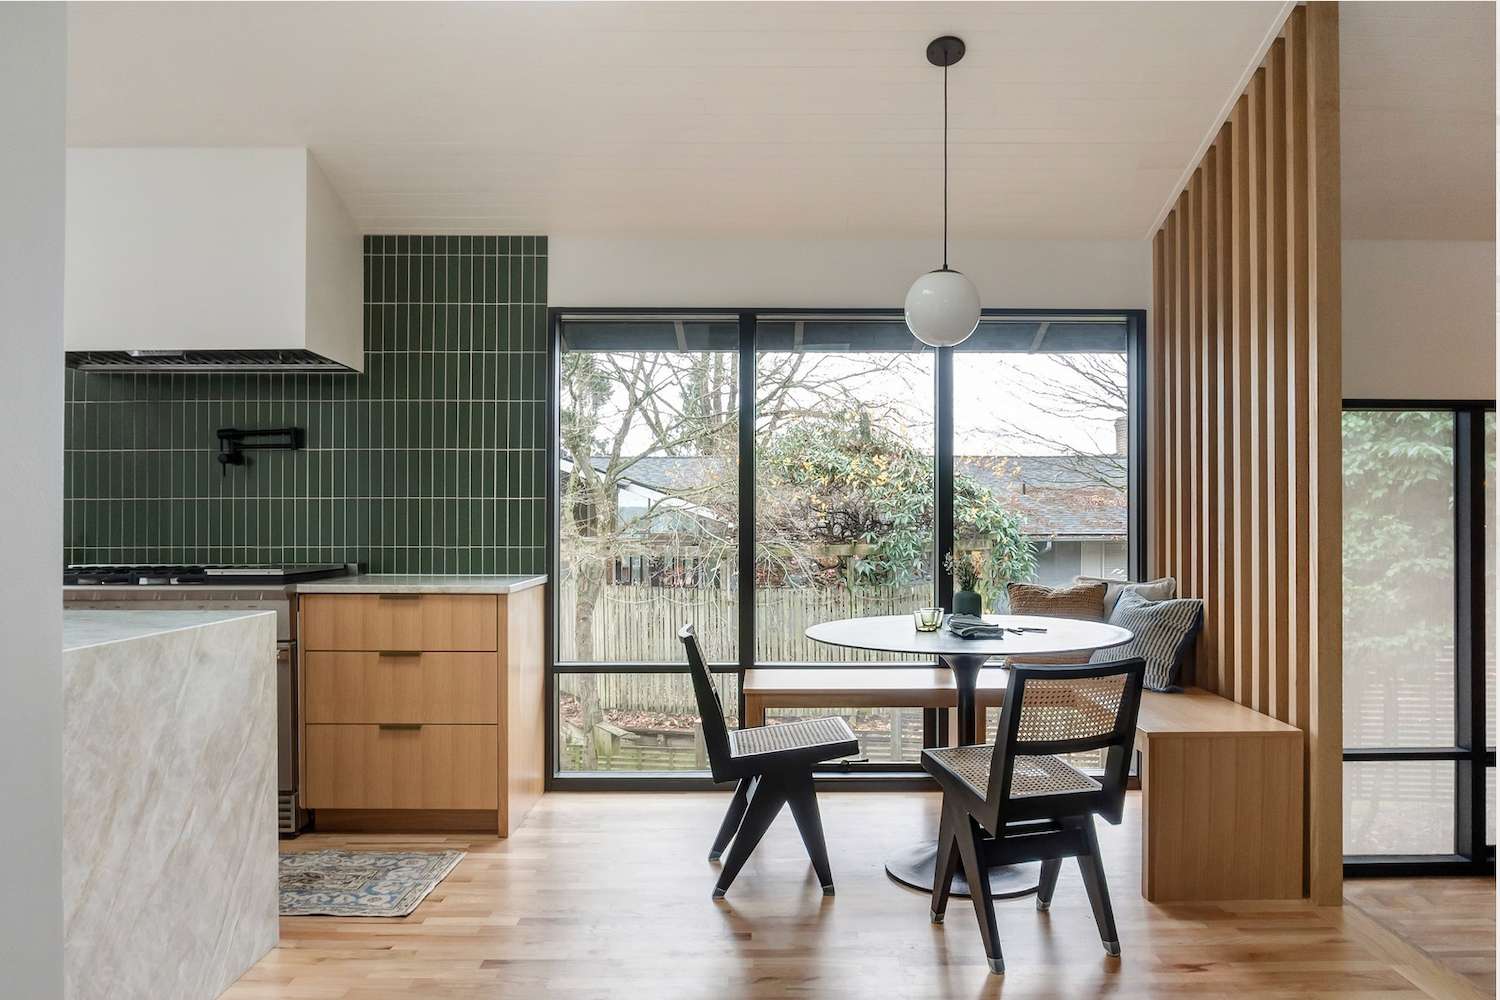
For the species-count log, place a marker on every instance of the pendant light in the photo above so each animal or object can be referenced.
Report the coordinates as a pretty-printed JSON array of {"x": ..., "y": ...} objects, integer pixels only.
[{"x": 942, "y": 308}]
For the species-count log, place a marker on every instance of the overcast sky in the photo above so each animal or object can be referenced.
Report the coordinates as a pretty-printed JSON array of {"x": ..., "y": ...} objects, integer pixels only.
[{"x": 996, "y": 401}]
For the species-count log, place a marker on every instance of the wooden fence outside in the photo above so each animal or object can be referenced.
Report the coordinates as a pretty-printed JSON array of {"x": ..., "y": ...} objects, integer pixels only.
[{"x": 638, "y": 623}]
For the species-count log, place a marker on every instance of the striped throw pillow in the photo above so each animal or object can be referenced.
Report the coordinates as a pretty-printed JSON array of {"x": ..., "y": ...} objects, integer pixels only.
[{"x": 1164, "y": 635}]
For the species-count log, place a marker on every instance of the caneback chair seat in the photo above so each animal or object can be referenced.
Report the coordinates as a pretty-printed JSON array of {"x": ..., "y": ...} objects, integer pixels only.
[
  {"x": 816, "y": 740},
  {"x": 1033, "y": 775},
  {"x": 773, "y": 767},
  {"x": 1019, "y": 800}
]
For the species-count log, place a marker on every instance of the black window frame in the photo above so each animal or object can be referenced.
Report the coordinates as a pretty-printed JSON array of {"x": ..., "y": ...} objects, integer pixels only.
[
  {"x": 891, "y": 776},
  {"x": 1470, "y": 753}
]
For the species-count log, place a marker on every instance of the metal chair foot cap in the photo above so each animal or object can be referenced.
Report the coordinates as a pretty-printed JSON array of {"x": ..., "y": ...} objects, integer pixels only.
[
  {"x": 828, "y": 890},
  {"x": 997, "y": 966},
  {"x": 718, "y": 893},
  {"x": 1112, "y": 949},
  {"x": 937, "y": 917},
  {"x": 1043, "y": 904},
  {"x": 714, "y": 855}
]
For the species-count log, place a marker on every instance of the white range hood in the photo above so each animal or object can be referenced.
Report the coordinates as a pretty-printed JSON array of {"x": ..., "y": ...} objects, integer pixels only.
[{"x": 209, "y": 259}]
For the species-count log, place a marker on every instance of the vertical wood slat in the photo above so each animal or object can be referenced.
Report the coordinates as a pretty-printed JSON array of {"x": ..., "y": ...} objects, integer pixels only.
[
  {"x": 1164, "y": 453},
  {"x": 1260, "y": 669},
  {"x": 1224, "y": 474},
  {"x": 1182, "y": 314},
  {"x": 1190, "y": 329},
  {"x": 1245, "y": 405},
  {"x": 1276, "y": 376},
  {"x": 1156, "y": 521},
  {"x": 1169, "y": 352},
  {"x": 1239, "y": 430},
  {"x": 1325, "y": 859},
  {"x": 1301, "y": 622},
  {"x": 1208, "y": 448}
]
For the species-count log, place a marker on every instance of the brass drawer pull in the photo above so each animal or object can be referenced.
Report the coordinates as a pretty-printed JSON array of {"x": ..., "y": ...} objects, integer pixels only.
[
  {"x": 398, "y": 597},
  {"x": 401, "y": 725},
  {"x": 400, "y": 652}
]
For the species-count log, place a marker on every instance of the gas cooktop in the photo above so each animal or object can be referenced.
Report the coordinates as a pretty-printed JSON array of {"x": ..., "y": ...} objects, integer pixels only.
[{"x": 152, "y": 575}]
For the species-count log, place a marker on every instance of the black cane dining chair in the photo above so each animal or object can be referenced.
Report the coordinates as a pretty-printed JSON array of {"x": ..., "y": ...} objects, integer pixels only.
[
  {"x": 773, "y": 765},
  {"x": 1019, "y": 801}
]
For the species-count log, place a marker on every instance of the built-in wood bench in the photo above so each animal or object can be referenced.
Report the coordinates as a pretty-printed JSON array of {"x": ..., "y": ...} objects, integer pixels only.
[
  {"x": 1221, "y": 784},
  {"x": 1221, "y": 793}
]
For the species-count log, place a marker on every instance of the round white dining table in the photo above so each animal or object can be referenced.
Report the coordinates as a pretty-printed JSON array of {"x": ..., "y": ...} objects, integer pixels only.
[{"x": 915, "y": 865}]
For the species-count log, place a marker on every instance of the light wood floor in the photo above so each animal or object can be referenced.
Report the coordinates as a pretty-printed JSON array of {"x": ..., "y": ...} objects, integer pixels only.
[
  {"x": 1449, "y": 921},
  {"x": 607, "y": 895}
]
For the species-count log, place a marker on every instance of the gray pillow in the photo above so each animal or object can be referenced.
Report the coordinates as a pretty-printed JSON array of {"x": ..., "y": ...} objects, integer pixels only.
[
  {"x": 1152, "y": 590},
  {"x": 1164, "y": 635}
]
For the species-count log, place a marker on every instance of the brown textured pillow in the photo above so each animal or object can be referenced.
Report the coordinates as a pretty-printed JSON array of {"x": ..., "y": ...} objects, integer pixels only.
[{"x": 1082, "y": 600}]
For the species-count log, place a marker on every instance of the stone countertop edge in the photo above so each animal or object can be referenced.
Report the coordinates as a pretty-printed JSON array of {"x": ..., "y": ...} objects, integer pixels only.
[
  {"x": 414, "y": 583},
  {"x": 83, "y": 627}
]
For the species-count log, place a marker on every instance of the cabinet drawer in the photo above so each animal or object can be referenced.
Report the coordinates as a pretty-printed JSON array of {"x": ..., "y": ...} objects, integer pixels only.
[
  {"x": 348, "y": 687},
  {"x": 438, "y": 622},
  {"x": 421, "y": 767}
]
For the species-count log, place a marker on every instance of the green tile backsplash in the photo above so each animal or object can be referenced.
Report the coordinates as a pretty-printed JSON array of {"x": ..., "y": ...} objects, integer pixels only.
[{"x": 431, "y": 461}]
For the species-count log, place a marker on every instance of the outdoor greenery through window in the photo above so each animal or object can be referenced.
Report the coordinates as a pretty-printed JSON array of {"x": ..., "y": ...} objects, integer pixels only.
[
  {"x": 845, "y": 448},
  {"x": 1408, "y": 773}
]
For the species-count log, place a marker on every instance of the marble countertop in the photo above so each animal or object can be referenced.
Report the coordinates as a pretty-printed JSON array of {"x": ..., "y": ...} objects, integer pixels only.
[
  {"x": 82, "y": 628},
  {"x": 413, "y": 583}
]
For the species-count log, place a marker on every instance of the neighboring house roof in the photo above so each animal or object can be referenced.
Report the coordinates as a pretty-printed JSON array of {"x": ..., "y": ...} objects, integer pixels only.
[
  {"x": 1060, "y": 496},
  {"x": 1004, "y": 471},
  {"x": 664, "y": 473}
]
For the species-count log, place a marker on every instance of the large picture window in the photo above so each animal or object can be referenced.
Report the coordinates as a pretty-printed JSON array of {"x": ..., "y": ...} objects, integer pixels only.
[
  {"x": 755, "y": 473},
  {"x": 1419, "y": 659}
]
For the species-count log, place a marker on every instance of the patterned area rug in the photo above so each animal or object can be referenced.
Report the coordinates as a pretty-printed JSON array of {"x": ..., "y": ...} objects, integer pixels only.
[{"x": 360, "y": 883}]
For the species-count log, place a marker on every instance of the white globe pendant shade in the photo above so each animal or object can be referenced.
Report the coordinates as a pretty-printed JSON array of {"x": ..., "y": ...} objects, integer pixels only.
[{"x": 942, "y": 308}]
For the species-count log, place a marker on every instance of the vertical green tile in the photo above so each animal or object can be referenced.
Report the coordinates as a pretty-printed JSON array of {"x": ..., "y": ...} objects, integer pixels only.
[{"x": 429, "y": 460}]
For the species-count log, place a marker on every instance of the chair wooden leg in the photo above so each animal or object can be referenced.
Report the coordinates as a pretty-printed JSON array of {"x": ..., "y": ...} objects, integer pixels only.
[
  {"x": 967, "y": 834},
  {"x": 765, "y": 802},
  {"x": 1050, "y": 869},
  {"x": 946, "y": 867},
  {"x": 732, "y": 818},
  {"x": 803, "y": 798},
  {"x": 1093, "y": 880}
]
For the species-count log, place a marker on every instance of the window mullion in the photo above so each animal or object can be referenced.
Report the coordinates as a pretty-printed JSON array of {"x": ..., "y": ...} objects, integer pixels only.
[
  {"x": 942, "y": 497},
  {"x": 1469, "y": 653},
  {"x": 746, "y": 547}
]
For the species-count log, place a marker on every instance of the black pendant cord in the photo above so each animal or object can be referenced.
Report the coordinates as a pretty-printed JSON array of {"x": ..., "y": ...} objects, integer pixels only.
[{"x": 945, "y": 168}]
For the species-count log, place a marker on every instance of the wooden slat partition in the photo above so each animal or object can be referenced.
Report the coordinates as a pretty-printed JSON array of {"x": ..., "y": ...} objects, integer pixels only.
[{"x": 1244, "y": 409}]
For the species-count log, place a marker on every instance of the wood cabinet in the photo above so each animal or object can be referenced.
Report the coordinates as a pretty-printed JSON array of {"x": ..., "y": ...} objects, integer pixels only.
[
  {"x": 422, "y": 711},
  {"x": 347, "y": 687},
  {"x": 402, "y": 766},
  {"x": 403, "y": 622}
]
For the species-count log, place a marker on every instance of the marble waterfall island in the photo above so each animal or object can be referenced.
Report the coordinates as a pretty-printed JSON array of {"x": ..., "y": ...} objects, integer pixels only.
[{"x": 169, "y": 801}]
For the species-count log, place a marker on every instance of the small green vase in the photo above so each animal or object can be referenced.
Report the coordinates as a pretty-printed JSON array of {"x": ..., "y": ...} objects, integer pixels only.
[{"x": 966, "y": 602}]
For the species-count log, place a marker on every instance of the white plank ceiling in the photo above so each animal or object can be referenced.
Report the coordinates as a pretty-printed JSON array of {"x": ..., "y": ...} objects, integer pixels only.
[
  {"x": 1417, "y": 83},
  {"x": 767, "y": 119}
]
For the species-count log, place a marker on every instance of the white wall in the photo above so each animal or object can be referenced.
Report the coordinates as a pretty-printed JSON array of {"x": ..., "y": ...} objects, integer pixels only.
[
  {"x": 33, "y": 63},
  {"x": 721, "y": 273},
  {"x": 1419, "y": 319}
]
